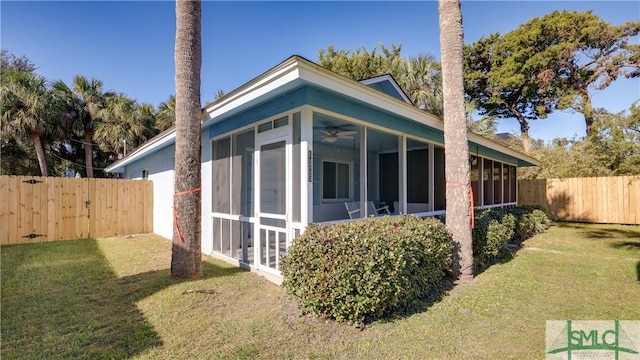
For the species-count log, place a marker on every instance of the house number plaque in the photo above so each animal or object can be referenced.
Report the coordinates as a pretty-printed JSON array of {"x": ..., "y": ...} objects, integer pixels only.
[{"x": 310, "y": 166}]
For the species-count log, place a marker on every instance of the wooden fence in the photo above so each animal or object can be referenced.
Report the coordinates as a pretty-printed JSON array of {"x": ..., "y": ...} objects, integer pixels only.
[
  {"x": 611, "y": 200},
  {"x": 39, "y": 209}
]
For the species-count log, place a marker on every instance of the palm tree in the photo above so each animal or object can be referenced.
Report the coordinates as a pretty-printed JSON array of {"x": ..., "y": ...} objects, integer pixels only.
[
  {"x": 166, "y": 114},
  {"x": 457, "y": 172},
  {"x": 186, "y": 255},
  {"x": 421, "y": 78},
  {"x": 28, "y": 109},
  {"x": 71, "y": 119},
  {"x": 123, "y": 124},
  {"x": 92, "y": 97},
  {"x": 485, "y": 126}
]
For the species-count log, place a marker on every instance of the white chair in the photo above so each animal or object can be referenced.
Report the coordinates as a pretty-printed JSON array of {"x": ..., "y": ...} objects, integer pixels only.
[
  {"x": 353, "y": 209},
  {"x": 384, "y": 210}
]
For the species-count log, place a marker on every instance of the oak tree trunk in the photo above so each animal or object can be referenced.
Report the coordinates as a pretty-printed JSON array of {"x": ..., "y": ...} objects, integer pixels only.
[
  {"x": 457, "y": 171},
  {"x": 587, "y": 111},
  {"x": 524, "y": 132},
  {"x": 186, "y": 256}
]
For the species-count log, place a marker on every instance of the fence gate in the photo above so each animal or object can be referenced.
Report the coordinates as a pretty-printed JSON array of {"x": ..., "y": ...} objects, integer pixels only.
[{"x": 39, "y": 209}]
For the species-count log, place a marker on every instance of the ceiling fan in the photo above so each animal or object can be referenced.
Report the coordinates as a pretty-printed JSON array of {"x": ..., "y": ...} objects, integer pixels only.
[{"x": 332, "y": 134}]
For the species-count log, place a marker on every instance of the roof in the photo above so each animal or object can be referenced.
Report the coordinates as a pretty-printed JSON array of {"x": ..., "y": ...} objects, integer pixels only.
[{"x": 383, "y": 92}]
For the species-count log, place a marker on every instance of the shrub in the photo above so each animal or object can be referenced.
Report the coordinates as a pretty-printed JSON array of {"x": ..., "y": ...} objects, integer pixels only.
[
  {"x": 495, "y": 228},
  {"x": 493, "y": 231},
  {"x": 529, "y": 222},
  {"x": 359, "y": 271}
]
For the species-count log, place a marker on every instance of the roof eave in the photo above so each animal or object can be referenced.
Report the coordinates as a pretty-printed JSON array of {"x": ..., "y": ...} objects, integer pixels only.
[
  {"x": 158, "y": 142},
  {"x": 292, "y": 69},
  {"x": 481, "y": 140}
]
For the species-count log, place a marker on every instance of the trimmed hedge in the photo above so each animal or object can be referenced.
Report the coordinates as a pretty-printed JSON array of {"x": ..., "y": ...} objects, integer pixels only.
[
  {"x": 360, "y": 271},
  {"x": 495, "y": 228},
  {"x": 530, "y": 221}
]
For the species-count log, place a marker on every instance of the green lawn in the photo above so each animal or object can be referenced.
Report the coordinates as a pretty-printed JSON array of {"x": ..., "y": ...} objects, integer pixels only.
[{"x": 113, "y": 298}]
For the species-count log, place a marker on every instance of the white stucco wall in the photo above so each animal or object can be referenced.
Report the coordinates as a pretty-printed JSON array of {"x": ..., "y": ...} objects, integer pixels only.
[
  {"x": 160, "y": 166},
  {"x": 206, "y": 238}
]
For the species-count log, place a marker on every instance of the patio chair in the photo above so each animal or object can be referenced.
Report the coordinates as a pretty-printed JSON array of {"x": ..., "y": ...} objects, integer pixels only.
[
  {"x": 353, "y": 208},
  {"x": 384, "y": 210}
]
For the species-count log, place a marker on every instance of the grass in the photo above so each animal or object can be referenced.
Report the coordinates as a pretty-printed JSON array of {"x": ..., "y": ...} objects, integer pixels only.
[{"x": 114, "y": 298}]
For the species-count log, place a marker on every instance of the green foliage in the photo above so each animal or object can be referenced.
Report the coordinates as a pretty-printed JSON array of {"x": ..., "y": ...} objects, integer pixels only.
[
  {"x": 359, "y": 271},
  {"x": 619, "y": 136},
  {"x": 549, "y": 63},
  {"x": 420, "y": 77},
  {"x": 64, "y": 119},
  {"x": 123, "y": 121},
  {"x": 529, "y": 222},
  {"x": 10, "y": 64},
  {"x": 612, "y": 150},
  {"x": 18, "y": 156},
  {"x": 166, "y": 114},
  {"x": 361, "y": 64},
  {"x": 495, "y": 228},
  {"x": 563, "y": 158}
]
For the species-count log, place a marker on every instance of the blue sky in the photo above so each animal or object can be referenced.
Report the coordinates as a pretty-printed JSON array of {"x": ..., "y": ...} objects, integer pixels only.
[{"x": 129, "y": 45}]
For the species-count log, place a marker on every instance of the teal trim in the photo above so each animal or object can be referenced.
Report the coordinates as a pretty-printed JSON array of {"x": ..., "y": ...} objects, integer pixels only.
[
  {"x": 497, "y": 155},
  {"x": 371, "y": 114},
  {"x": 282, "y": 103},
  {"x": 341, "y": 104}
]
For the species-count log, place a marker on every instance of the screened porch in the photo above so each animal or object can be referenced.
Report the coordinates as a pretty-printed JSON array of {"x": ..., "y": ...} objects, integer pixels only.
[{"x": 273, "y": 178}]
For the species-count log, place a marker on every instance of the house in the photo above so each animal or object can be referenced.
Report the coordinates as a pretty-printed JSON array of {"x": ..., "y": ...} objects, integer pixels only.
[{"x": 300, "y": 144}]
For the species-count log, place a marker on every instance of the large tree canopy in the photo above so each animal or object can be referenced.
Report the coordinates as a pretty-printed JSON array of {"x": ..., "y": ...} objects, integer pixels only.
[{"x": 549, "y": 63}]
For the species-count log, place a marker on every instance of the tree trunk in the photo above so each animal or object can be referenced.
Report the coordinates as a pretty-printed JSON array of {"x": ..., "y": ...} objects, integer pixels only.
[
  {"x": 456, "y": 145},
  {"x": 37, "y": 142},
  {"x": 524, "y": 132},
  {"x": 587, "y": 111},
  {"x": 88, "y": 152},
  {"x": 186, "y": 257}
]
